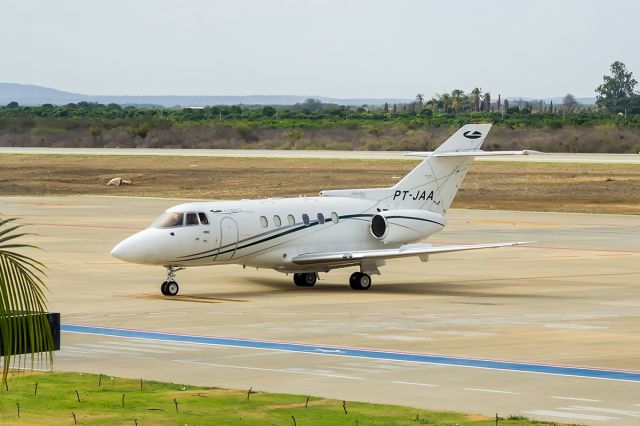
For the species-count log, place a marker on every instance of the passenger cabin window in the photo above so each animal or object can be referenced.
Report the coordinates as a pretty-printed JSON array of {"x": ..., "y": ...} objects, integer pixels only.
[
  {"x": 169, "y": 220},
  {"x": 192, "y": 219},
  {"x": 320, "y": 218},
  {"x": 264, "y": 221},
  {"x": 305, "y": 219},
  {"x": 334, "y": 217},
  {"x": 203, "y": 218},
  {"x": 276, "y": 221},
  {"x": 291, "y": 219}
]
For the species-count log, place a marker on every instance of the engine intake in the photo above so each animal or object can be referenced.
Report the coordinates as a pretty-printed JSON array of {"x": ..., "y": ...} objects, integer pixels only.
[{"x": 405, "y": 226}]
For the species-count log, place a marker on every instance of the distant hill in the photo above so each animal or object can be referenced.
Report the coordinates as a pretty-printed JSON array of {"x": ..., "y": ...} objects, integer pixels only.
[
  {"x": 556, "y": 101},
  {"x": 27, "y": 94}
]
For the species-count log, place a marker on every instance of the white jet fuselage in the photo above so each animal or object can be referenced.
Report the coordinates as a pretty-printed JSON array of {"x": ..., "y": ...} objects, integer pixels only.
[{"x": 269, "y": 233}]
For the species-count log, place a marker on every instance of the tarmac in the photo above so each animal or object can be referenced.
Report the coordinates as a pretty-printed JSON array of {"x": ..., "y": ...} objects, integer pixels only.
[
  {"x": 549, "y": 331},
  {"x": 279, "y": 153}
]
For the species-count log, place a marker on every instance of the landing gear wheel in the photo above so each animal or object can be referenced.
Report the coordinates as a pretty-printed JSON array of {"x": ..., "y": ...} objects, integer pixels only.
[
  {"x": 171, "y": 288},
  {"x": 305, "y": 279},
  {"x": 360, "y": 281}
]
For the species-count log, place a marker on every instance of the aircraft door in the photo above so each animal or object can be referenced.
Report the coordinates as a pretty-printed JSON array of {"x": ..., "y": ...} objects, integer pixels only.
[{"x": 229, "y": 236}]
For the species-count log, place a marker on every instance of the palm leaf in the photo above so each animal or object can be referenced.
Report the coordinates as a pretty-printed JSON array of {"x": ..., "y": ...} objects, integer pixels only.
[{"x": 23, "y": 325}]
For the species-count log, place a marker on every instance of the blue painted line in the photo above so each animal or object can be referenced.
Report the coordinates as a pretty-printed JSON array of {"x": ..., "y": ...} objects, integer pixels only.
[{"x": 585, "y": 372}]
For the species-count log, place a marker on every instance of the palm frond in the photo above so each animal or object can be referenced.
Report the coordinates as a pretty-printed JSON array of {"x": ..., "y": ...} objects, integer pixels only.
[{"x": 25, "y": 334}]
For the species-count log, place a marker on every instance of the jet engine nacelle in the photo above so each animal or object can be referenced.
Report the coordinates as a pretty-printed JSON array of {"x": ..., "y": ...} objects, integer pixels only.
[{"x": 405, "y": 226}]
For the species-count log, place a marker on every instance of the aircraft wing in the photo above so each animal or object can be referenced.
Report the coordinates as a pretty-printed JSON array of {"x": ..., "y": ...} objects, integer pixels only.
[{"x": 408, "y": 250}]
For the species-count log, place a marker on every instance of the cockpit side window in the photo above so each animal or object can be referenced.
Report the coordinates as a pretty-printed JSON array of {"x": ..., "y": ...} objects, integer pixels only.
[
  {"x": 192, "y": 219},
  {"x": 169, "y": 220},
  {"x": 203, "y": 218}
]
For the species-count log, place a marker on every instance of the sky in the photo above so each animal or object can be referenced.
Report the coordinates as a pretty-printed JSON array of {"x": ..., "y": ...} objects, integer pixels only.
[{"x": 335, "y": 48}]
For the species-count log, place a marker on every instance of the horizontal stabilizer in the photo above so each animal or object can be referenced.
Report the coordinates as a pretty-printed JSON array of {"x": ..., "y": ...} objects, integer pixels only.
[
  {"x": 477, "y": 153},
  {"x": 408, "y": 250}
]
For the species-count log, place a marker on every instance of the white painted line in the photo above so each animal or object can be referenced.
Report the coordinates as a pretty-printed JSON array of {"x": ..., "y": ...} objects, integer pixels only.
[
  {"x": 576, "y": 399},
  {"x": 249, "y": 355},
  {"x": 415, "y": 384},
  {"x": 160, "y": 345},
  {"x": 74, "y": 350},
  {"x": 107, "y": 349},
  {"x": 565, "y": 415},
  {"x": 166, "y": 343},
  {"x": 627, "y": 413},
  {"x": 121, "y": 315},
  {"x": 491, "y": 391},
  {"x": 335, "y": 376}
]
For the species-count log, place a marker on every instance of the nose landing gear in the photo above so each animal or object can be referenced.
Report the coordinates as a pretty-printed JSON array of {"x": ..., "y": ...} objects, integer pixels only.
[{"x": 170, "y": 286}]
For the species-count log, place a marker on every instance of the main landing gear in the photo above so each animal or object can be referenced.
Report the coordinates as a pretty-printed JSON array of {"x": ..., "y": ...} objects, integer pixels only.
[
  {"x": 306, "y": 279},
  {"x": 170, "y": 286},
  {"x": 360, "y": 281},
  {"x": 357, "y": 281}
]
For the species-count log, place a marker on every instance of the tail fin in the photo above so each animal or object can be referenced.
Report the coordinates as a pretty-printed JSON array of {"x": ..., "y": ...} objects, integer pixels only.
[{"x": 433, "y": 184}]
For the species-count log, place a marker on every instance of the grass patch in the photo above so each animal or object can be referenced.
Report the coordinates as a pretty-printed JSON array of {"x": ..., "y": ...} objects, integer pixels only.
[{"x": 51, "y": 398}]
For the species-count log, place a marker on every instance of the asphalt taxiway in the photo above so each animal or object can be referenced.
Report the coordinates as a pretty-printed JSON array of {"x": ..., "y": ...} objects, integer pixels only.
[{"x": 549, "y": 331}]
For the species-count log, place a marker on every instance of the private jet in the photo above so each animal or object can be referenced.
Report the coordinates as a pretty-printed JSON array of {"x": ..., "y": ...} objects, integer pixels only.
[{"x": 304, "y": 236}]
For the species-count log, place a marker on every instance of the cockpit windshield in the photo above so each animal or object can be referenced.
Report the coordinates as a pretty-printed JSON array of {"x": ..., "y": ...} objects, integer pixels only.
[
  {"x": 169, "y": 220},
  {"x": 175, "y": 219}
]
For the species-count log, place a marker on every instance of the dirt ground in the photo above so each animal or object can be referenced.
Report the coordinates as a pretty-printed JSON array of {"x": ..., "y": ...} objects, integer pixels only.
[{"x": 589, "y": 188}]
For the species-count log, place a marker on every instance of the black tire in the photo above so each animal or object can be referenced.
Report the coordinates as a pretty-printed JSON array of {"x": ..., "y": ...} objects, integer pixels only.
[
  {"x": 309, "y": 279},
  {"x": 305, "y": 279},
  {"x": 360, "y": 281},
  {"x": 353, "y": 280},
  {"x": 172, "y": 288},
  {"x": 163, "y": 288}
]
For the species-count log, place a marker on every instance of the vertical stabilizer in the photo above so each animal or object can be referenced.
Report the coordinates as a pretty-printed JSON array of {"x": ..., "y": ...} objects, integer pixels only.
[{"x": 433, "y": 184}]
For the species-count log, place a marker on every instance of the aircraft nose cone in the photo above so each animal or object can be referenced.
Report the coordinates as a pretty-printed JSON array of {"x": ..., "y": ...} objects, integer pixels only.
[
  {"x": 134, "y": 249},
  {"x": 124, "y": 251}
]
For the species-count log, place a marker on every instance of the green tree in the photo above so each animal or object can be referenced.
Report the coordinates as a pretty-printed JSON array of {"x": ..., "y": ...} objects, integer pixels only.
[
  {"x": 569, "y": 102},
  {"x": 457, "y": 98},
  {"x": 475, "y": 98},
  {"x": 311, "y": 105},
  {"x": 616, "y": 88},
  {"x": 268, "y": 111},
  {"x": 445, "y": 100},
  {"x": 486, "y": 102},
  {"x": 21, "y": 292},
  {"x": 633, "y": 104}
]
